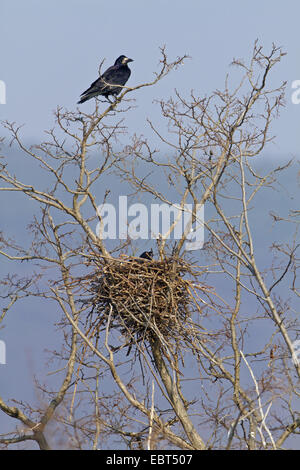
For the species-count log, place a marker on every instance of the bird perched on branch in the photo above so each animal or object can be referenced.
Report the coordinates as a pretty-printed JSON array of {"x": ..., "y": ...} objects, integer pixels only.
[
  {"x": 111, "y": 82},
  {"x": 147, "y": 254}
]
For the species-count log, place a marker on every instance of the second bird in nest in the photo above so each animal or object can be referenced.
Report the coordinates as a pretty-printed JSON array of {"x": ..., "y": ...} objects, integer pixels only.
[{"x": 147, "y": 254}]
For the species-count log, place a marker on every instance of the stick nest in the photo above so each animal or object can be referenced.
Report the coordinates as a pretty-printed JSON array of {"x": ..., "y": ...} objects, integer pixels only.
[{"x": 144, "y": 299}]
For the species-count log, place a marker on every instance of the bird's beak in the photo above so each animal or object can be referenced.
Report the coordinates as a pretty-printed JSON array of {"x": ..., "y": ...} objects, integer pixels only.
[{"x": 129, "y": 60}]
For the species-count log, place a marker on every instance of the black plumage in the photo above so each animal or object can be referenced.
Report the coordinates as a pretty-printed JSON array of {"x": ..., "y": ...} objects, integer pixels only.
[
  {"x": 111, "y": 82},
  {"x": 147, "y": 254}
]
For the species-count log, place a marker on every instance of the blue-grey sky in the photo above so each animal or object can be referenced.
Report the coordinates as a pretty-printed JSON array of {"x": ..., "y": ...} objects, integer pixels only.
[{"x": 51, "y": 51}]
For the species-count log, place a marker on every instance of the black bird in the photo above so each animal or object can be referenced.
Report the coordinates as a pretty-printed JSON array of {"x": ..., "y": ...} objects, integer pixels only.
[
  {"x": 147, "y": 254},
  {"x": 111, "y": 82}
]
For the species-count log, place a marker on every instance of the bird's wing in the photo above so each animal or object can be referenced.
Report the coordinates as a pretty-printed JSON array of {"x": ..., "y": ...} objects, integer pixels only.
[
  {"x": 100, "y": 83},
  {"x": 121, "y": 75},
  {"x": 115, "y": 75}
]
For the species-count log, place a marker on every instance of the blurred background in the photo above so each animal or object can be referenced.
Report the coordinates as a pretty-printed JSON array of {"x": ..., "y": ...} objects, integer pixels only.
[{"x": 51, "y": 51}]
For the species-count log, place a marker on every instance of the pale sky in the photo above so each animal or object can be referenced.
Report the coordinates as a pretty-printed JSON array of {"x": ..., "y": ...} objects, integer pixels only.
[{"x": 50, "y": 53}]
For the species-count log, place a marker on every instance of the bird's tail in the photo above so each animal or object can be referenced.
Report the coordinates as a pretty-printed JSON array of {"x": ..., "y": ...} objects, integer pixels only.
[
  {"x": 86, "y": 97},
  {"x": 83, "y": 99}
]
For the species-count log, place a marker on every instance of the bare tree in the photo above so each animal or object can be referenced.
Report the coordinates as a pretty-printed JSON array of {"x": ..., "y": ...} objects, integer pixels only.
[{"x": 160, "y": 353}]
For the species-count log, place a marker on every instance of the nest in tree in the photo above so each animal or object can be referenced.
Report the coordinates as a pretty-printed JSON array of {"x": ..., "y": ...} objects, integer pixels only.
[{"x": 144, "y": 299}]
